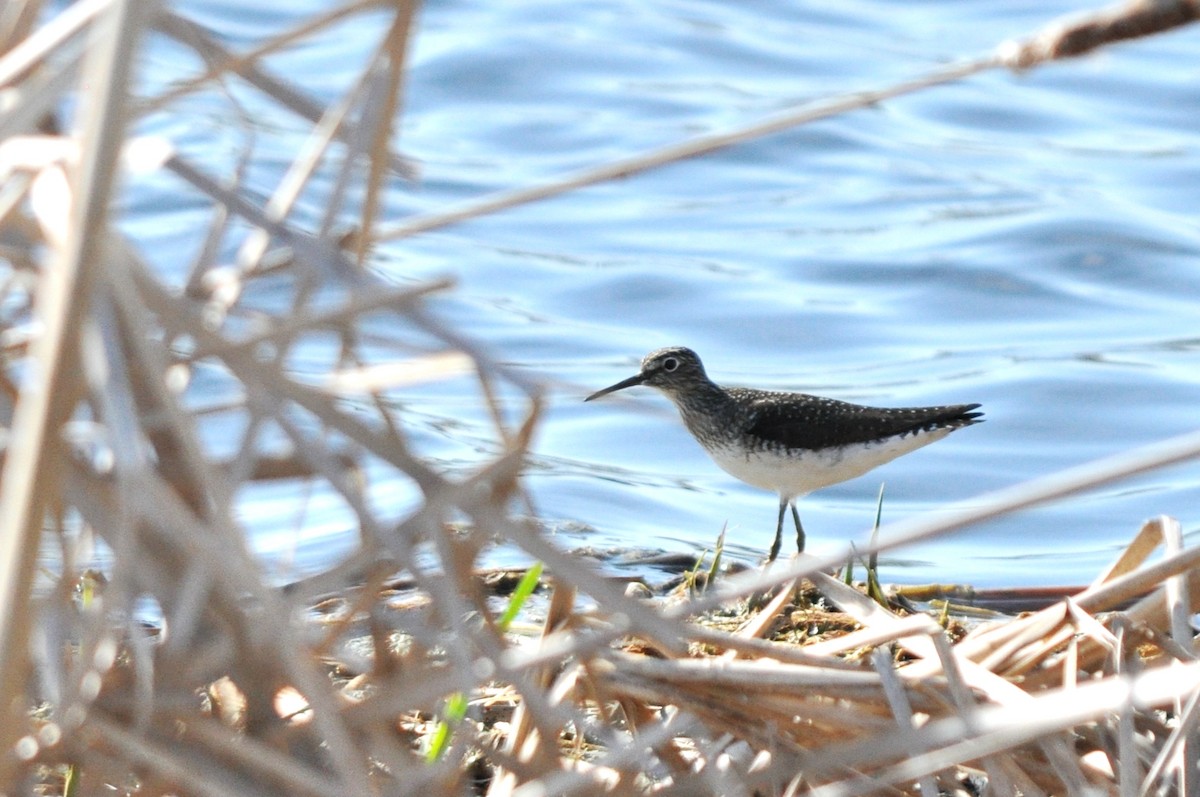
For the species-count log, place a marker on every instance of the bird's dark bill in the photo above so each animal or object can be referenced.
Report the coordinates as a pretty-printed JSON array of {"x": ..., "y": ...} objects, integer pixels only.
[{"x": 637, "y": 379}]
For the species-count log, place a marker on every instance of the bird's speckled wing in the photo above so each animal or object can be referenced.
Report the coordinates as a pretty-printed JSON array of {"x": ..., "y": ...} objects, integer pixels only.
[{"x": 812, "y": 422}]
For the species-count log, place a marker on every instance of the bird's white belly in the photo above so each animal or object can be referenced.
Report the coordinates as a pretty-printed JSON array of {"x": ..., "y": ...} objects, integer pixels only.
[{"x": 794, "y": 473}]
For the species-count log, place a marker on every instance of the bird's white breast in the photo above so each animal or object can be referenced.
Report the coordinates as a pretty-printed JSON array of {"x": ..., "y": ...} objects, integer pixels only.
[{"x": 793, "y": 473}]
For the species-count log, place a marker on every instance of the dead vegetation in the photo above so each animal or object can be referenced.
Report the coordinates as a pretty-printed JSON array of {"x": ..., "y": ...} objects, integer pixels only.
[{"x": 241, "y": 687}]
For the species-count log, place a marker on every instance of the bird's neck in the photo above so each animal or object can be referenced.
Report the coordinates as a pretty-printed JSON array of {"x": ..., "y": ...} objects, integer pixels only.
[{"x": 705, "y": 408}]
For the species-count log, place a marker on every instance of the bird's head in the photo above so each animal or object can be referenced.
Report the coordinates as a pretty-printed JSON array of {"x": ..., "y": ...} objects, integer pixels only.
[{"x": 670, "y": 370}]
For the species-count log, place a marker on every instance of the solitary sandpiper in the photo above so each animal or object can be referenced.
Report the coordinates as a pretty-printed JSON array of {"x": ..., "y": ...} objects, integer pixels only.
[{"x": 791, "y": 443}]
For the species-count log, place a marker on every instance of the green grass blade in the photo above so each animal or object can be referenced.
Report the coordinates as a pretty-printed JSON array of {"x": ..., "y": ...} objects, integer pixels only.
[
  {"x": 716, "y": 564},
  {"x": 520, "y": 595},
  {"x": 848, "y": 576},
  {"x": 873, "y": 563},
  {"x": 453, "y": 713},
  {"x": 874, "y": 590},
  {"x": 455, "y": 708}
]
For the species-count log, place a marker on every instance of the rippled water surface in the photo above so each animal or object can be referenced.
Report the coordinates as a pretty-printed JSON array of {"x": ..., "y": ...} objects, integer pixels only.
[{"x": 1028, "y": 241}]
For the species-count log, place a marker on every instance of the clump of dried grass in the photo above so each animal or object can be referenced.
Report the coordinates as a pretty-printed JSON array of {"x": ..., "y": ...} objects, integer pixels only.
[{"x": 238, "y": 687}]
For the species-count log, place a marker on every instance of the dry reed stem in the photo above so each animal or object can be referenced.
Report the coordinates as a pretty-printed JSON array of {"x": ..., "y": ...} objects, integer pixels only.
[
  {"x": 228, "y": 63},
  {"x": 758, "y": 625},
  {"x": 286, "y": 94},
  {"x": 16, "y": 22},
  {"x": 32, "y": 51},
  {"x": 31, "y": 466},
  {"x": 701, "y": 145},
  {"x": 1057, "y": 41}
]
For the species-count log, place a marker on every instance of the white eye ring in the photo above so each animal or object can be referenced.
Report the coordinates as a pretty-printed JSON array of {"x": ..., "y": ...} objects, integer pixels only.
[{"x": 670, "y": 364}]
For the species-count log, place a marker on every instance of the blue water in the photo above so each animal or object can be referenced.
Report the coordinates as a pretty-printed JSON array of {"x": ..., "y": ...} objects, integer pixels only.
[{"x": 1028, "y": 241}]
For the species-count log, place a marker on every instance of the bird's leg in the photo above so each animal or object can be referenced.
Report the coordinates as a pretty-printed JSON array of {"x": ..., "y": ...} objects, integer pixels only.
[
  {"x": 799, "y": 528},
  {"x": 778, "y": 531}
]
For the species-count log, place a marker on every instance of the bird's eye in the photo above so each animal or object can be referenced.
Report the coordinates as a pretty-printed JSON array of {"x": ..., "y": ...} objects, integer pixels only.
[{"x": 670, "y": 364}]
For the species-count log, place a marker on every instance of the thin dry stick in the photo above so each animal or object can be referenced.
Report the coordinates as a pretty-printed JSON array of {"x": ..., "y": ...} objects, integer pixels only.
[
  {"x": 386, "y": 113},
  {"x": 702, "y": 145},
  {"x": 525, "y": 741},
  {"x": 297, "y": 176},
  {"x": 901, "y": 708},
  {"x": 262, "y": 760},
  {"x": 995, "y": 729},
  {"x": 31, "y": 469},
  {"x": 875, "y": 633},
  {"x": 16, "y": 20},
  {"x": 1135, "y": 19},
  {"x": 48, "y": 40},
  {"x": 1176, "y": 591},
  {"x": 366, "y": 301},
  {"x": 40, "y": 93},
  {"x": 1001, "y": 769},
  {"x": 1058, "y": 41},
  {"x": 1172, "y": 757},
  {"x": 872, "y": 615},
  {"x": 760, "y": 623},
  {"x": 217, "y": 67},
  {"x": 291, "y": 98},
  {"x": 1144, "y": 543},
  {"x": 221, "y": 61},
  {"x": 159, "y": 760},
  {"x": 748, "y": 647}
]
